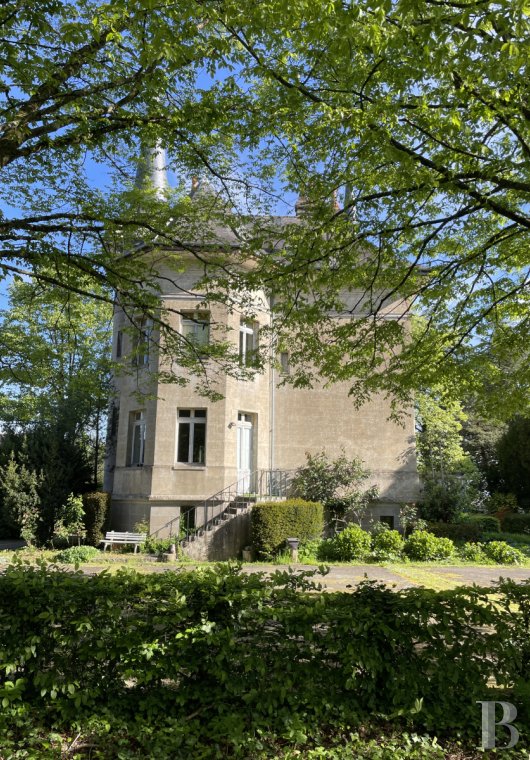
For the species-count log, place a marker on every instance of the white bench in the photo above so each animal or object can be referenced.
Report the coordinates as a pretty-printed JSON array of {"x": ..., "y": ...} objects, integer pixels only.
[{"x": 115, "y": 537}]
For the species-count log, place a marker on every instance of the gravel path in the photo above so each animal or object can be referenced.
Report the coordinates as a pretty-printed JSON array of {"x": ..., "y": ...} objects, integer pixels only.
[
  {"x": 346, "y": 577},
  {"x": 343, "y": 578}
]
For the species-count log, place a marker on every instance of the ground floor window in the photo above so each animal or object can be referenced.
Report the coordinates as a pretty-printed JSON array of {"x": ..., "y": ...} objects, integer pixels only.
[
  {"x": 388, "y": 520},
  {"x": 191, "y": 445}
]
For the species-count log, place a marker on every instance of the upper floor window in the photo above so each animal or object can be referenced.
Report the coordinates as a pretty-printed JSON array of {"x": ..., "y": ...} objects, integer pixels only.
[
  {"x": 119, "y": 344},
  {"x": 248, "y": 343},
  {"x": 196, "y": 327},
  {"x": 285, "y": 367},
  {"x": 141, "y": 341},
  {"x": 191, "y": 445},
  {"x": 136, "y": 438}
]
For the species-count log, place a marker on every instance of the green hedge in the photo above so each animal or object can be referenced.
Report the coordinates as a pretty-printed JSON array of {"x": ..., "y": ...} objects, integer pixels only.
[
  {"x": 97, "y": 509},
  {"x": 200, "y": 662},
  {"x": 466, "y": 531},
  {"x": 484, "y": 522},
  {"x": 516, "y": 523},
  {"x": 272, "y": 522}
]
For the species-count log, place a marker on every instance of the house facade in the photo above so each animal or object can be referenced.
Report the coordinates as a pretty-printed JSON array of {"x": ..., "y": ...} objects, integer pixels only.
[{"x": 174, "y": 448}]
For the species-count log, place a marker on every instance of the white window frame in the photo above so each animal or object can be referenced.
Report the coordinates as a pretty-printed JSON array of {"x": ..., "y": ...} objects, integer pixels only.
[
  {"x": 141, "y": 342},
  {"x": 192, "y": 420},
  {"x": 195, "y": 327},
  {"x": 137, "y": 426},
  {"x": 248, "y": 342}
]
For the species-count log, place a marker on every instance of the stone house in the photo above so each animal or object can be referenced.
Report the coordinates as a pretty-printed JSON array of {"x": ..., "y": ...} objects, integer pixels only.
[{"x": 169, "y": 453}]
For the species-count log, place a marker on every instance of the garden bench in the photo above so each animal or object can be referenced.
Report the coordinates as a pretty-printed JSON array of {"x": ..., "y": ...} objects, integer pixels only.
[{"x": 115, "y": 537}]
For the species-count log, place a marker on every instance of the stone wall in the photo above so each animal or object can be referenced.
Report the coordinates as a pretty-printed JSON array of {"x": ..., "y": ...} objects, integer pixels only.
[{"x": 224, "y": 542}]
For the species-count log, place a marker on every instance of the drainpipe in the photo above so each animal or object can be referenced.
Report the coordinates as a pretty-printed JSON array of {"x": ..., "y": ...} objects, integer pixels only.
[{"x": 272, "y": 394}]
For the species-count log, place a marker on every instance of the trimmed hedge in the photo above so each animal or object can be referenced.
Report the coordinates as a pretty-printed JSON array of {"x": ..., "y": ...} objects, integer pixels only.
[
  {"x": 97, "y": 508},
  {"x": 484, "y": 522},
  {"x": 516, "y": 523},
  {"x": 207, "y": 660},
  {"x": 272, "y": 522},
  {"x": 467, "y": 531}
]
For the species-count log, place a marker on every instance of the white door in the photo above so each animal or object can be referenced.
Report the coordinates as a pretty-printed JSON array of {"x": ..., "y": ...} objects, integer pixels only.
[{"x": 244, "y": 452}]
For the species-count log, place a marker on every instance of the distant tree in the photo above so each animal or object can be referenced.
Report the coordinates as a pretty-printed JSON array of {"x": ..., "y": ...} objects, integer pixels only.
[
  {"x": 480, "y": 438},
  {"x": 55, "y": 371},
  {"x": 19, "y": 501},
  {"x": 514, "y": 460},
  {"x": 450, "y": 478}
]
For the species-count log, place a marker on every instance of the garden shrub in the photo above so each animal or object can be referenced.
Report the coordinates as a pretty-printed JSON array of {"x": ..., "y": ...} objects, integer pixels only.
[
  {"x": 424, "y": 546},
  {"x": 502, "y": 553},
  {"x": 77, "y": 554},
  {"x": 473, "y": 552},
  {"x": 484, "y": 522},
  {"x": 309, "y": 550},
  {"x": 464, "y": 531},
  {"x": 387, "y": 544},
  {"x": 252, "y": 655},
  {"x": 516, "y": 523},
  {"x": 502, "y": 502},
  {"x": 97, "y": 507},
  {"x": 272, "y": 522},
  {"x": 158, "y": 546},
  {"x": 352, "y": 543}
]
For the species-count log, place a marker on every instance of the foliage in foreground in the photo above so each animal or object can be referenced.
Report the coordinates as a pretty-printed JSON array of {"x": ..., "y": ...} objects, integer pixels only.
[{"x": 213, "y": 662}]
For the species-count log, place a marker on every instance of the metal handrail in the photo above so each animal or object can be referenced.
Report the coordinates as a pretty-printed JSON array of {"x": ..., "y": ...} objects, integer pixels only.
[{"x": 272, "y": 483}]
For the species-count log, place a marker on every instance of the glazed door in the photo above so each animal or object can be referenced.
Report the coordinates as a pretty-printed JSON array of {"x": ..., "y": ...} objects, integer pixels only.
[{"x": 244, "y": 452}]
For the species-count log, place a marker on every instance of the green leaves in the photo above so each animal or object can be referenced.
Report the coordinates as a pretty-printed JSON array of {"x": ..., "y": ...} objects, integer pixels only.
[{"x": 206, "y": 659}]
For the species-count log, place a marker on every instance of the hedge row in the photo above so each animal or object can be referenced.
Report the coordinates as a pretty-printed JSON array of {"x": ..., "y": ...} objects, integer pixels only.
[
  {"x": 274, "y": 521},
  {"x": 354, "y": 543},
  {"x": 483, "y": 522},
  {"x": 469, "y": 531},
  {"x": 225, "y": 656},
  {"x": 516, "y": 523}
]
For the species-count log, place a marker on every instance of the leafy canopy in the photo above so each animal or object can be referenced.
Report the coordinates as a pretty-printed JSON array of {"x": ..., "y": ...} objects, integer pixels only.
[{"x": 415, "y": 112}]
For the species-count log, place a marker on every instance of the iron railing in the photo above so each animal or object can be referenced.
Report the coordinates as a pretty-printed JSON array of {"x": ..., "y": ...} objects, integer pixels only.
[{"x": 222, "y": 505}]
